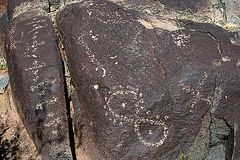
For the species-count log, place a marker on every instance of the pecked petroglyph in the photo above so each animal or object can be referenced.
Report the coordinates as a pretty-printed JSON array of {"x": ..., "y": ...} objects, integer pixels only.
[
  {"x": 53, "y": 122},
  {"x": 43, "y": 83},
  {"x": 238, "y": 63},
  {"x": 91, "y": 56},
  {"x": 46, "y": 102},
  {"x": 34, "y": 69},
  {"x": 129, "y": 97},
  {"x": 197, "y": 97},
  {"x": 226, "y": 59},
  {"x": 180, "y": 39},
  {"x": 35, "y": 66}
]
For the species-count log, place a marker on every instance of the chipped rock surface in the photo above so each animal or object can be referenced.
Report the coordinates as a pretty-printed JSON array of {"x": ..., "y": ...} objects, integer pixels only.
[
  {"x": 35, "y": 71},
  {"x": 143, "y": 90}
]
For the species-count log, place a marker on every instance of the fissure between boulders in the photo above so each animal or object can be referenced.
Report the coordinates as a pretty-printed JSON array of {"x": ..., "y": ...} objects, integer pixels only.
[
  {"x": 70, "y": 123},
  {"x": 229, "y": 144},
  {"x": 66, "y": 88}
]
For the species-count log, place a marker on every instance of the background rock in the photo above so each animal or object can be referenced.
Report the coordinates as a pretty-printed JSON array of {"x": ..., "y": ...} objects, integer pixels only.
[
  {"x": 219, "y": 131},
  {"x": 222, "y": 13},
  {"x": 184, "y": 5},
  {"x": 217, "y": 152},
  {"x": 3, "y": 83}
]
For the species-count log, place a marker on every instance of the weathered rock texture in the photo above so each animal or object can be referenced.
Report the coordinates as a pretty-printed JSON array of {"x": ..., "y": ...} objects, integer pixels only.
[
  {"x": 36, "y": 77},
  {"x": 144, "y": 90}
]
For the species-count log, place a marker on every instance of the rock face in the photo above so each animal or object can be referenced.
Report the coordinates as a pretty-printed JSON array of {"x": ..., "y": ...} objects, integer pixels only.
[
  {"x": 36, "y": 77},
  {"x": 185, "y": 5},
  {"x": 146, "y": 87},
  {"x": 143, "y": 90},
  {"x": 225, "y": 101}
]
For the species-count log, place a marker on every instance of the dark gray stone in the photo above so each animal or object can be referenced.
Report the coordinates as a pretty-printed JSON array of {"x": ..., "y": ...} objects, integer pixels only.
[
  {"x": 219, "y": 131},
  {"x": 217, "y": 153},
  {"x": 3, "y": 83}
]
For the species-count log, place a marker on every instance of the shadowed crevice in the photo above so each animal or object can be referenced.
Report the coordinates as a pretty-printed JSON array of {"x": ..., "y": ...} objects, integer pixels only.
[
  {"x": 229, "y": 144},
  {"x": 70, "y": 123}
]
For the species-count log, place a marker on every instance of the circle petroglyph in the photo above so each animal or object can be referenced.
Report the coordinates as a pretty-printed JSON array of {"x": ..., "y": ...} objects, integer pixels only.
[{"x": 125, "y": 105}]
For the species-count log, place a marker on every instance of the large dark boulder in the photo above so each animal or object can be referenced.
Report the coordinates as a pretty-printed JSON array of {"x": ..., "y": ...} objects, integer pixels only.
[
  {"x": 36, "y": 76},
  {"x": 143, "y": 90}
]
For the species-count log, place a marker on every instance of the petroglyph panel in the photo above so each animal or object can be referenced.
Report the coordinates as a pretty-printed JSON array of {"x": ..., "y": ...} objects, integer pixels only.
[
  {"x": 35, "y": 71},
  {"x": 143, "y": 90}
]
